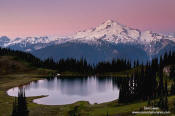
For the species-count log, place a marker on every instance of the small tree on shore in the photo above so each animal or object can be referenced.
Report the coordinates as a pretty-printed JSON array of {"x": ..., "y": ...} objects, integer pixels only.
[{"x": 20, "y": 105}]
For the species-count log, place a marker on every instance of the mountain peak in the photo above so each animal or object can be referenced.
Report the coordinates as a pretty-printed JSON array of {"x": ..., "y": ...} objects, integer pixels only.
[
  {"x": 107, "y": 29},
  {"x": 109, "y": 21},
  {"x": 106, "y": 25},
  {"x": 4, "y": 39}
]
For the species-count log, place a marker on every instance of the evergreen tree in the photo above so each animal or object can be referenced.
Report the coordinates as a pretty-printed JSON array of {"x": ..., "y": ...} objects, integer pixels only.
[
  {"x": 166, "y": 99},
  {"x": 20, "y": 107},
  {"x": 172, "y": 91},
  {"x": 14, "y": 112},
  {"x": 107, "y": 114}
]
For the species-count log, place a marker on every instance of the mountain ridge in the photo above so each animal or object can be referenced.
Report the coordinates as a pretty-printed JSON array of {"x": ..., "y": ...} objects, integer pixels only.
[
  {"x": 109, "y": 33},
  {"x": 109, "y": 28}
]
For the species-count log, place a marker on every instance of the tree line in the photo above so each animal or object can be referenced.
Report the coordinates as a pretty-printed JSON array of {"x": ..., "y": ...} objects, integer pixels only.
[
  {"x": 149, "y": 82},
  {"x": 70, "y": 64}
]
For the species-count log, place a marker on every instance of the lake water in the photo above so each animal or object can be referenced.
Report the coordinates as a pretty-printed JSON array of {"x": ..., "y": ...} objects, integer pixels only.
[{"x": 68, "y": 90}]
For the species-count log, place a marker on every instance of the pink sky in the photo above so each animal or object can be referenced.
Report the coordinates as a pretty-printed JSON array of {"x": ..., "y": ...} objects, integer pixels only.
[{"x": 64, "y": 17}]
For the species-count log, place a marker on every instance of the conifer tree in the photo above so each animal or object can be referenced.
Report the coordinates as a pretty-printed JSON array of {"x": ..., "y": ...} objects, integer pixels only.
[
  {"x": 14, "y": 112},
  {"x": 172, "y": 91},
  {"x": 166, "y": 99},
  {"x": 20, "y": 107}
]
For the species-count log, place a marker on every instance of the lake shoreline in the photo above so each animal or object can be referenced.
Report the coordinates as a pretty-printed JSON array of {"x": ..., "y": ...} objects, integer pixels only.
[
  {"x": 82, "y": 89},
  {"x": 73, "y": 74},
  {"x": 10, "y": 81}
]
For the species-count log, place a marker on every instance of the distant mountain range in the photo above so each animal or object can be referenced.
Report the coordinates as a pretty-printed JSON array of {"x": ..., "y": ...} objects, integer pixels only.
[{"x": 105, "y": 42}]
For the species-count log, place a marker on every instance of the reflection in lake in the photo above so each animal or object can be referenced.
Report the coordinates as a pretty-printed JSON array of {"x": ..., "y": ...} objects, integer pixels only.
[{"x": 67, "y": 90}]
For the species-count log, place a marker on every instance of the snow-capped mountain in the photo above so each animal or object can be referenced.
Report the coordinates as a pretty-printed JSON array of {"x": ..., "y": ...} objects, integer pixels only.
[
  {"x": 115, "y": 32},
  {"x": 109, "y": 33},
  {"x": 33, "y": 43},
  {"x": 4, "y": 40}
]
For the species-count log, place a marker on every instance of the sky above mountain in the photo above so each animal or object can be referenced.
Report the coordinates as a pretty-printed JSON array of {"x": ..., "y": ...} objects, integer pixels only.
[{"x": 64, "y": 17}]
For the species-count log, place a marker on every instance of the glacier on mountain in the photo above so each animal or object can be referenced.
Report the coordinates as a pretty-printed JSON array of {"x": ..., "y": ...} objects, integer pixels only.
[{"x": 109, "y": 31}]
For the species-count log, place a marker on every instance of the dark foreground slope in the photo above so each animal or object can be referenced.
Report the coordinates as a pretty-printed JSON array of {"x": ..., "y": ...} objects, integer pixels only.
[{"x": 15, "y": 71}]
